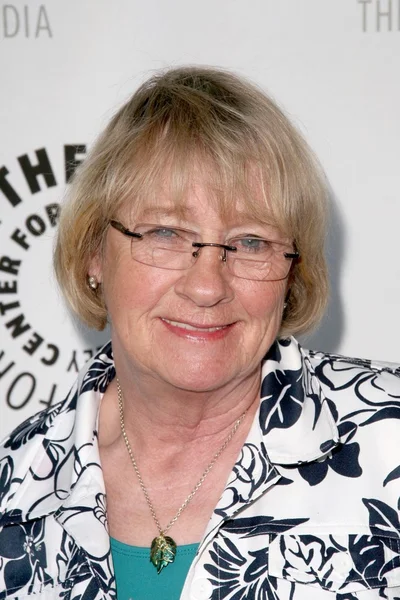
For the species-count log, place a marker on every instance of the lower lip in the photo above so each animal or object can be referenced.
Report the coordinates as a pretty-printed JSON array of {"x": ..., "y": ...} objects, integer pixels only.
[{"x": 199, "y": 334}]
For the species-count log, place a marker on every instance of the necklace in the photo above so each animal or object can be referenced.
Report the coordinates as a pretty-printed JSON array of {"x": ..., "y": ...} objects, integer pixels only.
[{"x": 163, "y": 547}]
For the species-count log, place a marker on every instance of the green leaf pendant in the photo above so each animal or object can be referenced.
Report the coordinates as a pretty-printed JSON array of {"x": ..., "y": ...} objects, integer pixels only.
[{"x": 162, "y": 552}]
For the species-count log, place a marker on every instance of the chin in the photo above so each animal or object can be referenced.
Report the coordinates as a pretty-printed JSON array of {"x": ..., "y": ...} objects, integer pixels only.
[{"x": 204, "y": 378}]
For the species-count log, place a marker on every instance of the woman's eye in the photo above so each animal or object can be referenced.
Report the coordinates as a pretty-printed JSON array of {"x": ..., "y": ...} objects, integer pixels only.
[
  {"x": 251, "y": 244},
  {"x": 164, "y": 232}
]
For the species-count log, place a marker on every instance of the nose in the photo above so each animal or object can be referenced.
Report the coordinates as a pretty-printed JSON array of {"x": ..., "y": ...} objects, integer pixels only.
[{"x": 207, "y": 282}]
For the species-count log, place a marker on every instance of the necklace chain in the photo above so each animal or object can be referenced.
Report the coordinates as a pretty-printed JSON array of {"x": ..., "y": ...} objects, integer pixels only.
[{"x": 200, "y": 482}]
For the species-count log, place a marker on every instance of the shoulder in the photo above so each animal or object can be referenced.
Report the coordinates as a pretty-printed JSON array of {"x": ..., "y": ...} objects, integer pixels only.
[
  {"x": 343, "y": 362},
  {"x": 38, "y": 425},
  {"x": 358, "y": 390},
  {"x": 94, "y": 376},
  {"x": 342, "y": 372},
  {"x": 363, "y": 397},
  {"x": 50, "y": 437}
]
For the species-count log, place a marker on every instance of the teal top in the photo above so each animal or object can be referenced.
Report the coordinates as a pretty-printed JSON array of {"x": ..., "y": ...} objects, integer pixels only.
[{"x": 137, "y": 578}]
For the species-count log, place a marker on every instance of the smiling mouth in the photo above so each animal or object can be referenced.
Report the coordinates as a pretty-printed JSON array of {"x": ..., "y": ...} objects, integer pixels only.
[{"x": 194, "y": 327}]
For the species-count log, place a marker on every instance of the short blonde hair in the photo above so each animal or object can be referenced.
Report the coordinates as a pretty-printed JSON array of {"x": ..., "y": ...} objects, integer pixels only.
[{"x": 199, "y": 119}]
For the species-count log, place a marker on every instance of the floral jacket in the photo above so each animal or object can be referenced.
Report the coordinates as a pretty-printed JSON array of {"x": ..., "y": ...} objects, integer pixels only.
[{"x": 310, "y": 510}]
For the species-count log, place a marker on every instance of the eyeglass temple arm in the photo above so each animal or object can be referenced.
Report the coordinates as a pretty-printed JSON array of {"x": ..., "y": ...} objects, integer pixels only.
[
  {"x": 117, "y": 225},
  {"x": 292, "y": 255}
]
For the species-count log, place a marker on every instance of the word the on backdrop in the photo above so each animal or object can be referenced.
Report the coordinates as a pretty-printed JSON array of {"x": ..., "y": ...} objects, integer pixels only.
[
  {"x": 25, "y": 21},
  {"x": 380, "y": 15},
  {"x": 73, "y": 155}
]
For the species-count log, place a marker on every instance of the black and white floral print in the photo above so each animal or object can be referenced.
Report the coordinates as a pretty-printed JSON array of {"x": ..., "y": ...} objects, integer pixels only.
[{"x": 310, "y": 510}]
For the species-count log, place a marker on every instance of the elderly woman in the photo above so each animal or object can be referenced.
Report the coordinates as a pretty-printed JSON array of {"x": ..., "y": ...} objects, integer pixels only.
[{"x": 203, "y": 454}]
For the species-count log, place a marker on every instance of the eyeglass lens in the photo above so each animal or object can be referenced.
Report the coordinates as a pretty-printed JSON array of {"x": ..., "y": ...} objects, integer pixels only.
[{"x": 253, "y": 259}]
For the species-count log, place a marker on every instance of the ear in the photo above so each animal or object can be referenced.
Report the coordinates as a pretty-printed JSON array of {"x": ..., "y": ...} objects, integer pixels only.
[{"x": 96, "y": 267}]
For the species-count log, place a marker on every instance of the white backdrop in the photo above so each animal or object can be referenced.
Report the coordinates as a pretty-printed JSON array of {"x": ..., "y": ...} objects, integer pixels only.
[{"x": 66, "y": 66}]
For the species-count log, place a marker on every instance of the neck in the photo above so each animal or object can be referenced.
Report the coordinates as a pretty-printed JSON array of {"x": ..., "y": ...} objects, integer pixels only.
[{"x": 175, "y": 416}]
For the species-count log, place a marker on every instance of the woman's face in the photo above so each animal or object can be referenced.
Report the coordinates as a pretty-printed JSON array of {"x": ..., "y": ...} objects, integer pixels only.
[{"x": 200, "y": 329}]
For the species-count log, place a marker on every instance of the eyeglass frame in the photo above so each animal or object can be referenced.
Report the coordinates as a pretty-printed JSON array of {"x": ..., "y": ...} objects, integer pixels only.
[{"x": 225, "y": 247}]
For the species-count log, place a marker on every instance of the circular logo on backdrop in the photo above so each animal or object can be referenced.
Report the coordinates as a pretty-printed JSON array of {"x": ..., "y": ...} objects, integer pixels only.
[{"x": 42, "y": 345}]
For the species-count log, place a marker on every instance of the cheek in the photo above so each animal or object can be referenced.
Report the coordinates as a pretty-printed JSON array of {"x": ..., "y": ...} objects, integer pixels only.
[
  {"x": 263, "y": 301},
  {"x": 134, "y": 289}
]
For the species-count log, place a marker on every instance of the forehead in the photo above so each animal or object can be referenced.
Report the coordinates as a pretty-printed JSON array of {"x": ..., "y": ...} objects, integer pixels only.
[{"x": 201, "y": 200}]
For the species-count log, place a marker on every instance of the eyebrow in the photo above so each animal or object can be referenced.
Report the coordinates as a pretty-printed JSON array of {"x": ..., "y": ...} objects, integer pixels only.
[{"x": 165, "y": 211}]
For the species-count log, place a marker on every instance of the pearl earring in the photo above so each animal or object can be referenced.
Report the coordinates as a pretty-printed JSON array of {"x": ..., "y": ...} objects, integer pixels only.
[{"x": 93, "y": 283}]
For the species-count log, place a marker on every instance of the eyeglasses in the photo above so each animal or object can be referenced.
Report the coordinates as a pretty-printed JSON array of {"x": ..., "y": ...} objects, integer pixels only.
[{"x": 250, "y": 257}]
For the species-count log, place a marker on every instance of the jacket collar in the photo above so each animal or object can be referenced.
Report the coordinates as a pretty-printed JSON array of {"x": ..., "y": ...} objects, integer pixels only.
[
  {"x": 295, "y": 418},
  {"x": 295, "y": 425}
]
